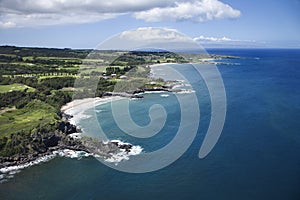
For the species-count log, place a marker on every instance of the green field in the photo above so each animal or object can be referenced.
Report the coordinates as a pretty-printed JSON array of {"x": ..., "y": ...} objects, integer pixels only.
[
  {"x": 57, "y": 76},
  {"x": 15, "y": 87},
  {"x": 36, "y": 113},
  {"x": 51, "y": 73}
]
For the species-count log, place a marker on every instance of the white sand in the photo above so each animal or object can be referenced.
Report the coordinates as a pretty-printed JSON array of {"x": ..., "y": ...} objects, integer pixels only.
[{"x": 77, "y": 107}]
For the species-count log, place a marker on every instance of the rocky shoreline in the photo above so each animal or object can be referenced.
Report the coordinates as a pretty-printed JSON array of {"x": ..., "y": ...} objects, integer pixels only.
[
  {"x": 49, "y": 142},
  {"x": 138, "y": 93},
  {"x": 61, "y": 140}
]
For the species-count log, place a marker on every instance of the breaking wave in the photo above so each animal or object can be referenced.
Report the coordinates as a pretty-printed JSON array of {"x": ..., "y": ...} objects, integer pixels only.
[{"x": 9, "y": 172}]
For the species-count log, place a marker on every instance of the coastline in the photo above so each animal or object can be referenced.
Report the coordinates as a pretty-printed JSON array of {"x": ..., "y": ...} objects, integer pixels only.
[
  {"x": 72, "y": 113},
  {"x": 87, "y": 102},
  {"x": 76, "y": 108},
  {"x": 111, "y": 151}
]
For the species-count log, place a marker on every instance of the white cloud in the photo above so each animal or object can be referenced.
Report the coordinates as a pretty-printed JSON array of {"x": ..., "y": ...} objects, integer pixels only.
[
  {"x": 38, "y": 19},
  {"x": 97, "y": 6},
  {"x": 197, "y": 11},
  {"x": 7, "y": 24},
  {"x": 154, "y": 34},
  {"x": 150, "y": 37},
  {"x": 213, "y": 39},
  {"x": 17, "y": 13},
  {"x": 225, "y": 42}
]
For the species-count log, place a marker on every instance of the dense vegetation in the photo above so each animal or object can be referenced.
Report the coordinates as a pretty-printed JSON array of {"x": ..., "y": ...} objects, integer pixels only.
[
  {"x": 36, "y": 82},
  {"x": 40, "y": 61}
]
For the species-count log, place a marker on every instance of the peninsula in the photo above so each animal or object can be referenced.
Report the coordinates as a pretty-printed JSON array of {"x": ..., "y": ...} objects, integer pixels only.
[{"x": 36, "y": 82}]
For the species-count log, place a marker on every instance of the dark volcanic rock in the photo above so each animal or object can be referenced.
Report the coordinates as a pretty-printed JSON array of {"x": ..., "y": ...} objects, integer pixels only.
[
  {"x": 50, "y": 140},
  {"x": 67, "y": 127},
  {"x": 127, "y": 147}
]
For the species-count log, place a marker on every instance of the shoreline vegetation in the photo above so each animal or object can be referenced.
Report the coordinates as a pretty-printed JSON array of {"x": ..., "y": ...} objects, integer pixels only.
[
  {"x": 69, "y": 135},
  {"x": 37, "y": 88}
]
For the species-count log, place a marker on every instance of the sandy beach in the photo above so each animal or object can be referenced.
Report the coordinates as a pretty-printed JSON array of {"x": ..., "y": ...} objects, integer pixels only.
[{"x": 77, "y": 107}]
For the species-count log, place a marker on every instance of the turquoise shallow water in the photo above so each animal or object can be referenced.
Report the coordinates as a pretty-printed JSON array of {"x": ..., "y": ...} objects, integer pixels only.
[{"x": 256, "y": 157}]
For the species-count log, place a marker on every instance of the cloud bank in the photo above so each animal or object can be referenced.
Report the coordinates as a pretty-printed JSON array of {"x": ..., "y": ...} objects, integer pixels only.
[
  {"x": 28, "y": 13},
  {"x": 212, "y": 39},
  {"x": 154, "y": 34},
  {"x": 218, "y": 42},
  {"x": 198, "y": 11},
  {"x": 150, "y": 38}
]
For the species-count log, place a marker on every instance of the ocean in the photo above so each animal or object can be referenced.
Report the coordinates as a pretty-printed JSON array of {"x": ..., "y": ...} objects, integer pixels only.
[{"x": 256, "y": 157}]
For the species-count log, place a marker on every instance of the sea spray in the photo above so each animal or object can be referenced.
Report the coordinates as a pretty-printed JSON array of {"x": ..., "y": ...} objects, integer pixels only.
[
  {"x": 122, "y": 155},
  {"x": 9, "y": 172}
]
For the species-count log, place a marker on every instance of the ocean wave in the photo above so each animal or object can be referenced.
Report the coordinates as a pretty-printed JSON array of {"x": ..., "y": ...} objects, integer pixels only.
[
  {"x": 71, "y": 153},
  {"x": 185, "y": 92},
  {"x": 154, "y": 92},
  {"x": 225, "y": 63},
  {"x": 123, "y": 154},
  {"x": 78, "y": 108},
  {"x": 9, "y": 172},
  {"x": 177, "y": 86},
  {"x": 76, "y": 118},
  {"x": 134, "y": 99},
  {"x": 114, "y": 157},
  {"x": 164, "y": 95},
  {"x": 31, "y": 163}
]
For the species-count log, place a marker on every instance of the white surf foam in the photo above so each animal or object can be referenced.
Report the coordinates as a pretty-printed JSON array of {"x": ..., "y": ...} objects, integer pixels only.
[
  {"x": 123, "y": 155},
  {"x": 71, "y": 153},
  {"x": 185, "y": 92},
  {"x": 76, "y": 135},
  {"x": 164, "y": 95},
  {"x": 154, "y": 92},
  {"x": 78, "y": 108},
  {"x": 9, "y": 172}
]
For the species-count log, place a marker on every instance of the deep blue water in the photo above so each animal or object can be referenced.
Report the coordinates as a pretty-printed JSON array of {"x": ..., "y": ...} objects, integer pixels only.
[{"x": 256, "y": 157}]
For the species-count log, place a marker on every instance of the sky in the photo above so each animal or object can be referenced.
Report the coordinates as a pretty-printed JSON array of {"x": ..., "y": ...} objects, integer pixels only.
[{"x": 211, "y": 23}]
